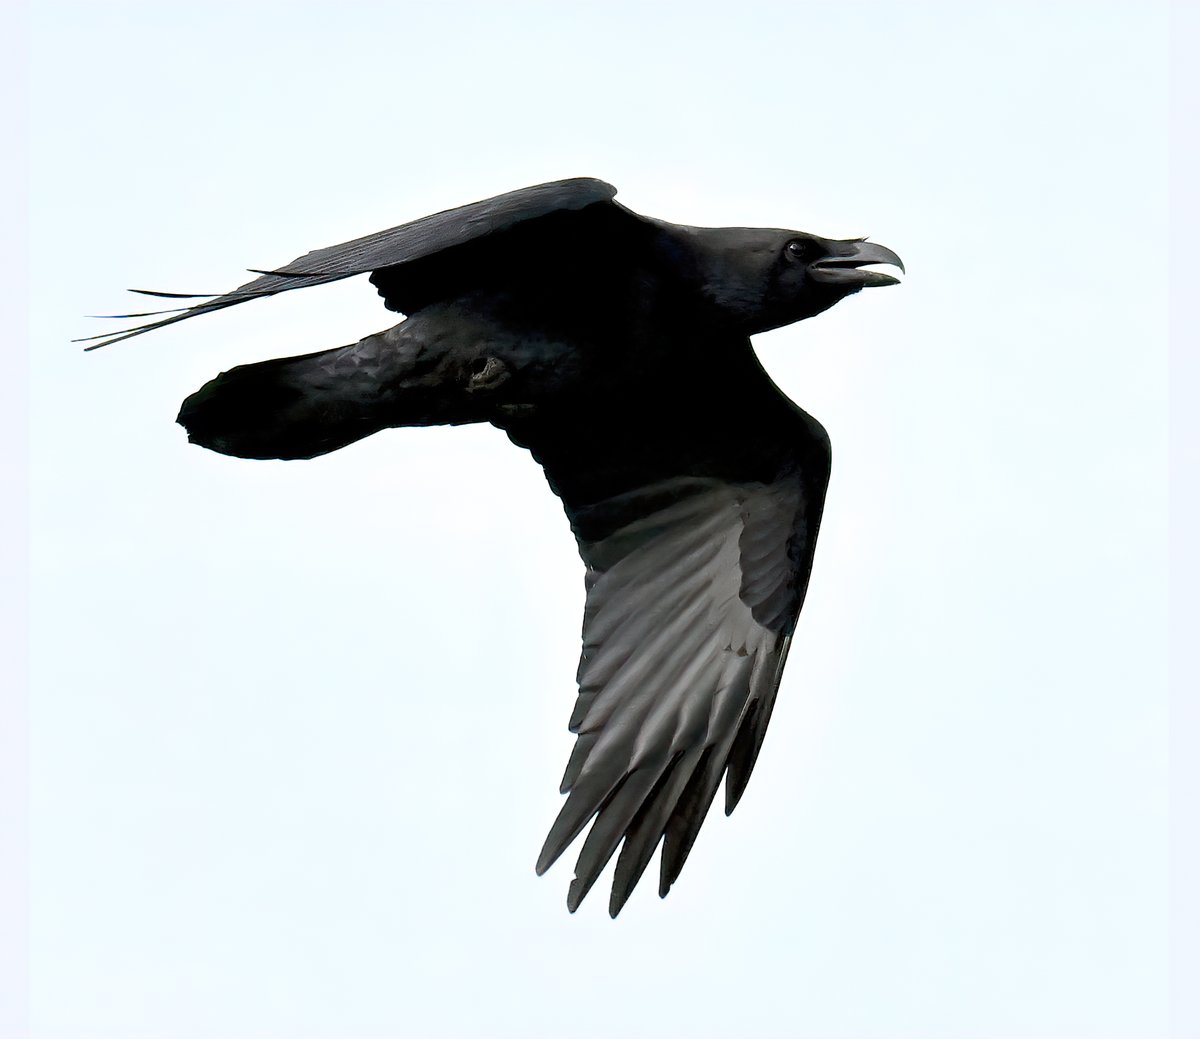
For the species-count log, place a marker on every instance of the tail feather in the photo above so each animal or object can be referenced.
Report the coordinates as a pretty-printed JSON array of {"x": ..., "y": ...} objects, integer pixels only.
[
  {"x": 301, "y": 407},
  {"x": 276, "y": 409}
]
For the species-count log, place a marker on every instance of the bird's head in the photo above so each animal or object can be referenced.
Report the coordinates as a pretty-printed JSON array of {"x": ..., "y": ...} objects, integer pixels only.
[{"x": 766, "y": 278}]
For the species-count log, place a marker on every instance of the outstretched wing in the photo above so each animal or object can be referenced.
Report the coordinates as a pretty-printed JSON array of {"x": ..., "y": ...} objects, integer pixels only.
[
  {"x": 416, "y": 240},
  {"x": 694, "y": 584}
]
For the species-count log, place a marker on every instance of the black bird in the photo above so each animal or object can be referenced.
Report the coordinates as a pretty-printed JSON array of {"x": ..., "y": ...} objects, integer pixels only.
[{"x": 616, "y": 349}]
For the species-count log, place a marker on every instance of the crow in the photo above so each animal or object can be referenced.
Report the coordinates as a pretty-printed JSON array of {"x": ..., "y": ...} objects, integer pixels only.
[{"x": 616, "y": 349}]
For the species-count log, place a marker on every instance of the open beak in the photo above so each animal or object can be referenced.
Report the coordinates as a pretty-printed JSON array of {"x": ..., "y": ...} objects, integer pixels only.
[{"x": 840, "y": 266}]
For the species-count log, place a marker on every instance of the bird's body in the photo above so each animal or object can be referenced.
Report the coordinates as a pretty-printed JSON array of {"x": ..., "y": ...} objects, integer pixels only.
[{"x": 616, "y": 349}]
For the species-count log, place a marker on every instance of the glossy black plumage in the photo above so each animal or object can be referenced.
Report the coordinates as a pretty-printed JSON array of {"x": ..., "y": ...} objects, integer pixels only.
[{"x": 615, "y": 348}]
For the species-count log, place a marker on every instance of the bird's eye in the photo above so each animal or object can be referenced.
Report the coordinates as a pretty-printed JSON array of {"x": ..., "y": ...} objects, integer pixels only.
[{"x": 796, "y": 250}]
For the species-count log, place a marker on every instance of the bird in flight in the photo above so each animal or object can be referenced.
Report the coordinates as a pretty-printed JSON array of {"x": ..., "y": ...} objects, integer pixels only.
[{"x": 616, "y": 349}]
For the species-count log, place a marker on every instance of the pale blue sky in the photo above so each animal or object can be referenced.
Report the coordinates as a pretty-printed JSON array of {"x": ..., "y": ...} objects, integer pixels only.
[{"x": 298, "y": 727}]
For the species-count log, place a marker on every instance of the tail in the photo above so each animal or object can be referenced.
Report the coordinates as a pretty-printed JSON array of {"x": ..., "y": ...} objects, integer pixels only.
[
  {"x": 301, "y": 407},
  {"x": 274, "y": 410}
]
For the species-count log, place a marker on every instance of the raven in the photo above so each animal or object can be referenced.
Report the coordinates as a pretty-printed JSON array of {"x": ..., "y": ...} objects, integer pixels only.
[{"x": 615, "y": 348}]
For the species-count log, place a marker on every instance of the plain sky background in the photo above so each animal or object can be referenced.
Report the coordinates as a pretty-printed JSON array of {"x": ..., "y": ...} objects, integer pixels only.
[{"x": 297, "y": 728}]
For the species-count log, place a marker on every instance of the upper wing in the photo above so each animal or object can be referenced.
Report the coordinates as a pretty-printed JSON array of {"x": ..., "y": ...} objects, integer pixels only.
[
  {"x": 694, "y": 584},
  {"x": 397, "y": 245}
]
